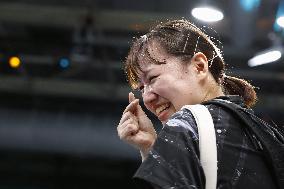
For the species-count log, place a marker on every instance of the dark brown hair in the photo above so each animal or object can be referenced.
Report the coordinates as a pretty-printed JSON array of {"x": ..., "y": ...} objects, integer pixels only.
[{"x": 183, "y": 39}]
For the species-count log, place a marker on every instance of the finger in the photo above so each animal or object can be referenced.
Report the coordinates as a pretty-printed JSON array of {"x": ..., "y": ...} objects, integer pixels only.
[
  {"x": 132, "y": 106},
  {"x": 131, "y": 97},
  {"x": 123, "y": 124},
  {"x": 127, "y": 115},
  {"x": 140, "y": 111},
  {"x": 129, "y": 130},
  {"x": 127, "y": 120}
]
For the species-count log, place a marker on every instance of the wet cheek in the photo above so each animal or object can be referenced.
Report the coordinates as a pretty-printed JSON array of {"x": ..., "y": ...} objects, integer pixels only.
[
  {"x": 162, "y": 91},
  {"x": 165, "y": 88},
  {"x": 161, "y": 86},
  {"x": 169, "y": 94}
]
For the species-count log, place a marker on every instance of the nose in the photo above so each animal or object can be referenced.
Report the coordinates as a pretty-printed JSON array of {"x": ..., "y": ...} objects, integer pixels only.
[{"x": 149, "y": 96}]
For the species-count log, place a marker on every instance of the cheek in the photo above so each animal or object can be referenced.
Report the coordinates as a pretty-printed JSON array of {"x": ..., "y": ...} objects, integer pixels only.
[{"x": 167, "y": 88}]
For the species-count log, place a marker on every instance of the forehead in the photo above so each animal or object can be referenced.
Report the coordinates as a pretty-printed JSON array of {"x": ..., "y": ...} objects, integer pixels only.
[
  {"x": 157, "y": 60},
  {"x": 152, "y": 54}
]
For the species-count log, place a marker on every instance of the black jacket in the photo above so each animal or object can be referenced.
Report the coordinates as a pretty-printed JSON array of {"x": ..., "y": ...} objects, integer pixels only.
[{"x": 174, "y": 160}]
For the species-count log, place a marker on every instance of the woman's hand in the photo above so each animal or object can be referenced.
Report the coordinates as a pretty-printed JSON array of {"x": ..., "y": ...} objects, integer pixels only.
[{"x": 136, "y": 128}]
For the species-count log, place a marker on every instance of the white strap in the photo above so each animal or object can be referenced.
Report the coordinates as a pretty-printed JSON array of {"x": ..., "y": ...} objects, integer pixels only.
[{"x": 207, "y": 143}]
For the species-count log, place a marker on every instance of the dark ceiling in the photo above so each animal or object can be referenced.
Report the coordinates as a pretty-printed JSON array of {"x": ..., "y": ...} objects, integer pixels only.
[{"x": 95, "y": 36}]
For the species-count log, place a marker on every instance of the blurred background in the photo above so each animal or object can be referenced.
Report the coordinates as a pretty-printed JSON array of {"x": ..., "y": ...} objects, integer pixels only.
[{"x": 63, "y": 90}]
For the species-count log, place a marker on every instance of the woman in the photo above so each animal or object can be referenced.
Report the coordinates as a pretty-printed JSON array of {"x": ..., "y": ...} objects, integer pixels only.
[{"x": 177, "y": 64}]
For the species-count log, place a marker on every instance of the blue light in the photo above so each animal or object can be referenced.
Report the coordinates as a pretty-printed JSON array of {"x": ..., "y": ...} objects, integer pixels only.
[
  {"x": 279, "y": 13},
  {"x": 249, "y": 5},
  {"x": 64, "y": 63}
]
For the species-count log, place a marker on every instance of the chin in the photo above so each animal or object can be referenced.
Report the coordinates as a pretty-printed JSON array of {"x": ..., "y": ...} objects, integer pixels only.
[{"x": 167, "y": 117}]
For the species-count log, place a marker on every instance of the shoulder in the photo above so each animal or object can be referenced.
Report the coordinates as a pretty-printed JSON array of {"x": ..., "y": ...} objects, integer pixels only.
[{"x": 183, "y": 120}]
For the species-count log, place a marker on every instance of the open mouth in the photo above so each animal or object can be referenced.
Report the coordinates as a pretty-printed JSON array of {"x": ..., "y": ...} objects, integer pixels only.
[{"x": 162, "y": 108}]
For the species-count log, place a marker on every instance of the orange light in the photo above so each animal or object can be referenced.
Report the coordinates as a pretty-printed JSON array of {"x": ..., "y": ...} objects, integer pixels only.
[{"x": 14, "y": 62}]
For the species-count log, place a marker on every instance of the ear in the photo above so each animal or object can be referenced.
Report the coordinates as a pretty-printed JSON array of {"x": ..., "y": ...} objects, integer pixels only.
[{"x": 200, "y": 64}]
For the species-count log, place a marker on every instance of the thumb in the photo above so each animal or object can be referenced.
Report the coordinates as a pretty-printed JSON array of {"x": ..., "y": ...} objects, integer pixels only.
[
  {"x": 139, "y": 110},
  {"x": 131, "y": 97}
]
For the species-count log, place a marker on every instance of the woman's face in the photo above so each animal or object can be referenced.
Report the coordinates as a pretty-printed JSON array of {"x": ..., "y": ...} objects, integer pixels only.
[{"x": 167, "y": 87}]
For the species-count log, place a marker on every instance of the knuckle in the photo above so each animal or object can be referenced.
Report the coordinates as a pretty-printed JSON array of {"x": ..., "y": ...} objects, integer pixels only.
[
  {"x": 132, "y": 127},
  {"x": 126, "y": 115},
  {"x": 118, "y": 129},
  {"x": 119, "y": 132},
  {"x": 128, "y": 129}
]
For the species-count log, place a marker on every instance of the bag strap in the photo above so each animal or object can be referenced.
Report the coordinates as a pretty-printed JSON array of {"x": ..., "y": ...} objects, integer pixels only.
[{"x": 207, "y": 143}]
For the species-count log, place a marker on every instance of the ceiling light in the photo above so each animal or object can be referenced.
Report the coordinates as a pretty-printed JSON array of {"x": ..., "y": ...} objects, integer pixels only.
[
  {"x": 249, "y": 5},
  {"x": 64, "y": 63},
  {"x": 278, "y": 24},
  {"x": 265, "y": 58},
  {"x": 280, "y": 21},
  {"x": 207, "y": 14},
  {"x": 14, "y": 62}
]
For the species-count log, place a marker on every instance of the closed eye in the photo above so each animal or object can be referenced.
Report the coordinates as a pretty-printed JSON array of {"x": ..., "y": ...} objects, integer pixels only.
[{"x": 152, "y": 78}]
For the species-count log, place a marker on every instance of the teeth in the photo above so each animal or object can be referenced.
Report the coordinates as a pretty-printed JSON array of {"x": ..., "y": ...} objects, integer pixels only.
[{"x": 162, "y": 108}]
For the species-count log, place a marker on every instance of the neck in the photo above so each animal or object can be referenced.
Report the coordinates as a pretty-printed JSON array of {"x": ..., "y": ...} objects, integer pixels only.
[{"x": 214, "y": 90}]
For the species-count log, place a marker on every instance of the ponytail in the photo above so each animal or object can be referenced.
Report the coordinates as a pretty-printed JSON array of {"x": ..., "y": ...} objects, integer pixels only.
[{"x": 236, "y": 86}]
